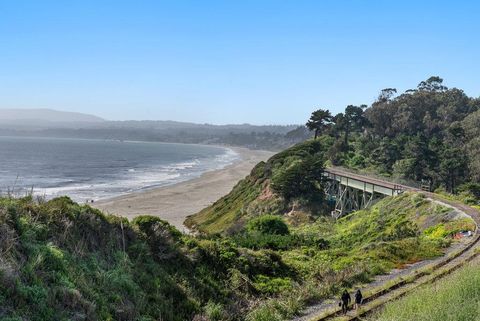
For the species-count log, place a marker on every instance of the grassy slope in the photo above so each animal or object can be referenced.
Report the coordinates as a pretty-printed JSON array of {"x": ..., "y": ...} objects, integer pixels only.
[
  {"x": 392, "y": 233},
  {"x": 457, "y": 297},
  {"x": 60, "y": 260},
  {"x": 252, "y": 196},
  {"x": 63, "y": 261}
]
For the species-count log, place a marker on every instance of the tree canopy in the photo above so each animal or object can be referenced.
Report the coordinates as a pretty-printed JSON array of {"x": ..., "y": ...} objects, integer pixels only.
[
  {"x": 428, "y": 133},
  {"x": 320, "y": 120}
]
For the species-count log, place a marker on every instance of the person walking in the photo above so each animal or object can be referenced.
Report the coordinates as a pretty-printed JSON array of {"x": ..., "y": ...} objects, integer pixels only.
[
  {"x": 345, "y": 298},
  {"x": 358, "y": 298}
]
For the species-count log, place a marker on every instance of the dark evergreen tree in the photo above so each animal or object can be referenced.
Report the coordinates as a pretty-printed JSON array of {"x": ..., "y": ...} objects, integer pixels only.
[{"x": 320, "y": 120}]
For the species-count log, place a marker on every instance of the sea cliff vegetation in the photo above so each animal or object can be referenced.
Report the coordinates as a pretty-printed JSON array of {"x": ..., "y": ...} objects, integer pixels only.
[
  {"x": 429, "y": 134},
  {"x": 291, "y": 176},
  {"x": 64, "y": 261},
  {"x": 269, "y": 247}
]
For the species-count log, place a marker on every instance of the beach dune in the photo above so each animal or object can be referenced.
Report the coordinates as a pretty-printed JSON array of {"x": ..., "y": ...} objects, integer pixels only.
[{"x": 174, "y": 203}]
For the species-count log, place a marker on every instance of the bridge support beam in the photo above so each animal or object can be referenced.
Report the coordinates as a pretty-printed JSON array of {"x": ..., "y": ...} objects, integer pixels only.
[{"x": 349, "y": 198}]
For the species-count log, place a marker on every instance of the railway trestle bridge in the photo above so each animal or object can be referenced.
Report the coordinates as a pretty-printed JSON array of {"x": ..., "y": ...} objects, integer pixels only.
[{"x": 352, "y": 192}]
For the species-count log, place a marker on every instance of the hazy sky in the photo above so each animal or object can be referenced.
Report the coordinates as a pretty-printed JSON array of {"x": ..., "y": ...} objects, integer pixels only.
[{"x": 229, "y": 61}]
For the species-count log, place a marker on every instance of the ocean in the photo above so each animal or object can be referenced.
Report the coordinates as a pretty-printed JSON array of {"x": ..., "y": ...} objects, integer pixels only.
[{"x": 86, "y": 169}]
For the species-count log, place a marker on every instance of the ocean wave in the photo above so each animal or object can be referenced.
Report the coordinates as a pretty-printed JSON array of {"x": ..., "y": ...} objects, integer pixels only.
[
  {"x": 227, "y": 158},
  {"x": 136, "y": 179},
  {"x": 182, "y": 165}
]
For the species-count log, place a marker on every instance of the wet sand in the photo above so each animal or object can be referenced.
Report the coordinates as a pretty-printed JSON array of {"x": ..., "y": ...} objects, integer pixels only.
[{"x": 174, "y": 203}]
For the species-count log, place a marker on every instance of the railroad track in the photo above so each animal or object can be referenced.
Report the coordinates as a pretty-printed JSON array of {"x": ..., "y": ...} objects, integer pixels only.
[{"x": 376, "y": 298}]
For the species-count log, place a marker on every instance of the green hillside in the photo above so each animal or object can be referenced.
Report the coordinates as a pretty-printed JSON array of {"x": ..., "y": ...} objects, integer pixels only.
[
  {"x": 454, "y": 298},
  {"x": 256, "y": 194},
  {"x": 434, "y": 140},
  {"x": 64, "y": 261},
  {"x": 394, "y": 232},
  {"x": 269, "y": 247}
]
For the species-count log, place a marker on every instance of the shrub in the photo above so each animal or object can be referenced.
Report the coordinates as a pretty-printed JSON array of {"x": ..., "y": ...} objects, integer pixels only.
[
  {"x": 268, "y": 224},
  {"x": 302, "y": 179},
  {"x": 357, "y": 161},
  {"x": 442, "y": 230},
  {"x": 470, "y": 193},
  {"x": 148, "y": 224},
  {"x": 214, "y": 311},
  {"x": 265, "y": 284},
  {"x": 471, "y": 188},
  {"x": 264, "y": 313},
  {"x": 258, "y": 241}
]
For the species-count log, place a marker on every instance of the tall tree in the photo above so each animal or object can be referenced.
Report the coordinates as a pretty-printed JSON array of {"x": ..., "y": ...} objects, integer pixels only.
[
  {"x": 320, "y": 120},
  {"x": 339, "y": 125},
  {"x": 433, "y": 83},
  {"x": 471, "y": 124},
  {"x": 432, "y": 132},
  {"x": 386, "y": 94},
  {"x": 303, "y": 179},
  {"x": 354, "y": 120},
  {"x": 453, "y": 167}
]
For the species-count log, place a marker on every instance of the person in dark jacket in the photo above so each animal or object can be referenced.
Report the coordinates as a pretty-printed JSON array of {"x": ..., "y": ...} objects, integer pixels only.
[
  {"x": 345, "y": 298},
  {"x": 358, "y": 298}
]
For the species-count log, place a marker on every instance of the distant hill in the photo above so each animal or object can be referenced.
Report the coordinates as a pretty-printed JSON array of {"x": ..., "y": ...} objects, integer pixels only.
[
  {"x": 45, "y": 118},
  {"x": 52, "y": 123}
]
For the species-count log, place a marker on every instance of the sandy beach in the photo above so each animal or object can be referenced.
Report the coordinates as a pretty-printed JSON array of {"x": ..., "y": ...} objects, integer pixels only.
[{"x": 174, "y": 203}]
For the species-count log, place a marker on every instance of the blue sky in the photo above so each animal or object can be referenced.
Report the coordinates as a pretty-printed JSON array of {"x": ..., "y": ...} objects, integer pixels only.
[{"x": 261, "y": 62}]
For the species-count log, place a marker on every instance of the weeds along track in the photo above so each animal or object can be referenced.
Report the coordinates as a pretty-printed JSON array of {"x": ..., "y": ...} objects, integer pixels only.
[{"x": 377, "y": 297}]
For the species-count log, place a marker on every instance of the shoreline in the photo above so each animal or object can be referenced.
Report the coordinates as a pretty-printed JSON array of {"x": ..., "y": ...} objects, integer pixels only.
[{"x": 173, "y": 203}]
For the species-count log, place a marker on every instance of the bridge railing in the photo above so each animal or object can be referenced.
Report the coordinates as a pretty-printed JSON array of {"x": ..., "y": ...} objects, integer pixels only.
[{"x": 394, "y": 180}]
